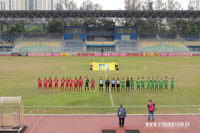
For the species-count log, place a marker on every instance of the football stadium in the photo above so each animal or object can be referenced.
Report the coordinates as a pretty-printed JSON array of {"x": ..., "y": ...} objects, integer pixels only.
[{"x": 70, "y": 69}]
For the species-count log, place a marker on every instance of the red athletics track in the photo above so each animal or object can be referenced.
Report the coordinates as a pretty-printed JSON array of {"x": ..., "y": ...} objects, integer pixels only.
[{"x": 94, "y": 124}]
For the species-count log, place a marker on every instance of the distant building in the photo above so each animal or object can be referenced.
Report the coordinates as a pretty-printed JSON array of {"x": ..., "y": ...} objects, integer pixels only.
[
  {"x": 31, "y": 4},
  {"x": 27, "y": 4},
  {"x": 16, "y": 4},
  {"x": 194, "y": 5},
  {"x": 45, "y": 4},
  {"x": 2, "y": 5},
  {"x": 12, "y": 4}
]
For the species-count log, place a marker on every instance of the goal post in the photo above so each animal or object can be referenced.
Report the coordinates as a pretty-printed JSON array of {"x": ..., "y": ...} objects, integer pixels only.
[{"x": 11, "y": 113}]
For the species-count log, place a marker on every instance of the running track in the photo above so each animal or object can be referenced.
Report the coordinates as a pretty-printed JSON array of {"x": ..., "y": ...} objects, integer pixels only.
[{"x": 94, "y": 124}]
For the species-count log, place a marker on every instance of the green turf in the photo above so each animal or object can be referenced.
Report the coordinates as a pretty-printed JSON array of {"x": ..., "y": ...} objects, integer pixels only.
[{"x": 18, "y": 77}]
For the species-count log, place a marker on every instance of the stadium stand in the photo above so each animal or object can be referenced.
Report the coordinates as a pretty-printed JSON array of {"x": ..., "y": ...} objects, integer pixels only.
[
  {"x": 173, "y": 46},
  {"x": 151, "y": 45},
  {"x": 39, "y": 45},
  {"x": 147, "y": 36},
  {"x": 100, "y": 39},
  {"x": 192, "y": 43},
  {"x": 5, "y": 47},
  {"x": 74, "y": 46},
  {"x": 191, "y": 37},
  {"x": 193, "y": 46},
  {"x": 9, "y": 37},
  {"x": 126, "y": 46},
  {"x": 100, "y": 46},
  {"x": 100, "y": 43},
  {"x": 6, "y": 43},
  {"x": 167, "y": 36}
]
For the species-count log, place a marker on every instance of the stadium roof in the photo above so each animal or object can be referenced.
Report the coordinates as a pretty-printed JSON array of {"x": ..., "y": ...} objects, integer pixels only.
[{"x": 133, "y": 14}]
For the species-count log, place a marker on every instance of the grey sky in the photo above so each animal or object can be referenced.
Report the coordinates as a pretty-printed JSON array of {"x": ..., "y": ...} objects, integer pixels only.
[{"x": 119, "y": 4}]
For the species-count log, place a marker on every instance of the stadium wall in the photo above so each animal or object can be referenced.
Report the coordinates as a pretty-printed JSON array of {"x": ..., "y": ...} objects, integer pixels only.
[
  {"x": 5, "y": 54},
  {"x": 195, "y": 54},
  {"x": 104, "y": 54}
]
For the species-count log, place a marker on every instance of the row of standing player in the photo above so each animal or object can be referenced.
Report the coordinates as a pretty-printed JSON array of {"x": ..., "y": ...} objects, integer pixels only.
[
  {"x": 150, "y": 83},
  {"x": 65, "y": 84},
  {"x": 116, "y": 84}
]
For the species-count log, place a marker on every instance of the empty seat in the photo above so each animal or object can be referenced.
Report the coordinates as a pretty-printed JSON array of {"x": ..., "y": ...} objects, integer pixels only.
[
  {"x": 127, "y": 45},
  {"x": 39, "y": 45},
  {"x": 151, "y": 46},
  {"x": 74, "y": 46},
  {"x": 174, "y": 46}
]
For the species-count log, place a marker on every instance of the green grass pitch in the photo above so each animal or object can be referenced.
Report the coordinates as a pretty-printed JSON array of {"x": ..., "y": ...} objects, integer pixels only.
[{"x": 18, "y": 77}]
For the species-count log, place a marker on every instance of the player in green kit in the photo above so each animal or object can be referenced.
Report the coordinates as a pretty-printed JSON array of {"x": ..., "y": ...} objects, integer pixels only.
[
  {"x": 152, "y": 84},
  {"x": 166, "y": 83},
  {"x": 148, "y": 83},
  {"x": 132, "y": 83},
  {"x": 122, "y": 84},
  {"x": 156, "y": 83},
  {"x": 161, "y": 84},
  {"x": 143, "y": 83},
  {"x": 172, "y": 83},
  {"x": 138, "y": 83}
]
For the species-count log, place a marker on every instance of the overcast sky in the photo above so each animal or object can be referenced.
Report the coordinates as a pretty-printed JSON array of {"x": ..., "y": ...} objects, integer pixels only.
[{"x": 119, "y": 4}]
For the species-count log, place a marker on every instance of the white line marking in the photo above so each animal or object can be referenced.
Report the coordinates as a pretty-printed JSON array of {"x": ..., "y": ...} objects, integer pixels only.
[
  {"x": 193, "y": 115},
  {"x": 127, "y": 106},
  {"x": 163, "y": 106},
  {"x": 114, "y": 114},
  {"x": 68, "y": 106},
  {"x": 110, "y": 92},
  {"x": 35, "y": 124},
  {"x": 111, "y": 98},
  {"x": 106, "y": 74}
]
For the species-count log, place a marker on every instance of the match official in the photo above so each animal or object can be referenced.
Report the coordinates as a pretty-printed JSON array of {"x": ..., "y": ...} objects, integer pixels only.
[
  {"x": 118, "y": 84},
  {"x": 101, "y": 84},
  {"x": 127, "y": 84},
  {"x": 107, "y": 83},
  {"x": 87, "y": 84},
  {"x": 122, "y": 115},
  {"x": 113, "y": 84},
  {"x": 151, "y": 109}
]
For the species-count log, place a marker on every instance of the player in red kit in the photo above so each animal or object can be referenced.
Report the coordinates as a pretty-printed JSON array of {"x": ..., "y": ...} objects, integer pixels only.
[
  {"x": 66, "y": 84},
  {"x": 39, "y": 84},
  {"x": 80, "y": 82},
  {"x": 50, "y": 83},
  {"x": 45, "y": 83},
  {"x": 71, "y": 84},
  {"x": 62, "y": 84},
  {"x": 56, "y": 83},
  {"x": 92, "y": 84},
  {"x": 75, "y": 84}
]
